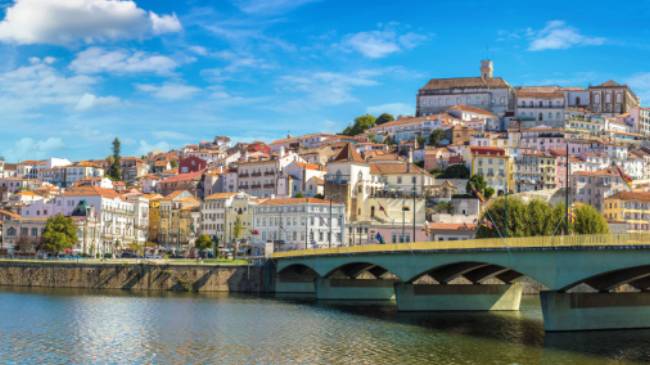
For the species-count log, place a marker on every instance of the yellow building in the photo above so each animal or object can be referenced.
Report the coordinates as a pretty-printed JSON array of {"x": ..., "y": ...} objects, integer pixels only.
[
  {"x": 495, "y": 166},
  {"x": 154, "y": 217},
  {"x": 630, "y": 207},
  {"x": 179, "y": 219}
]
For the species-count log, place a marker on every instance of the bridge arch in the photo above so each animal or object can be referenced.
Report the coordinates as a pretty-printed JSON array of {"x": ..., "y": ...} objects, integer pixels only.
[
  {"x": 297, "y": 271},
  {"x": 361, "y": 270},
  {"x": 636, "y": 277},
  {"x": 475, "y": 272}
]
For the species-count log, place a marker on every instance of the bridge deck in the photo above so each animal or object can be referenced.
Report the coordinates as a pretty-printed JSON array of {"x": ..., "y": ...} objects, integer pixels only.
[{"x": 578, "y": 241}]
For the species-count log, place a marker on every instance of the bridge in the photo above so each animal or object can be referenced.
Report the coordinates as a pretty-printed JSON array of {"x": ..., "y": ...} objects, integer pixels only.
[{"x": 589, "y": 282}]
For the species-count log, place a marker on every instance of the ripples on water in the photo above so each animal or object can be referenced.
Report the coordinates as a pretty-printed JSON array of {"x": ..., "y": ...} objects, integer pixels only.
[{"x": 71, "y": 327}]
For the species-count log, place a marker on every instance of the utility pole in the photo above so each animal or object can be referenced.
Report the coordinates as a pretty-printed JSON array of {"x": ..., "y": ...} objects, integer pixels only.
[
  {"x": 413, "y": 238},
  {"x": 566, "y": 188}
]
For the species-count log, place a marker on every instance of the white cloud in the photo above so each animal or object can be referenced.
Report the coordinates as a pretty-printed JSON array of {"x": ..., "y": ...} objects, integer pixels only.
[
  {"x": 29, "y": 148},
  {"x": 169, "y": 90},
  {"x": 383, "y": 42},
  {"x": 145, "y": 147},
  {"x": 558, "y": 35},
  {"x": 65, "y": 22},
  {"x": 39, "y": 84},
  {"x": 392, "y": 108},
  {"x": 329, "y": 88},
  {"x": 89, "y": 101},
  {"x": 121, "y": 61},
  {"x": 269, "y": 7}
]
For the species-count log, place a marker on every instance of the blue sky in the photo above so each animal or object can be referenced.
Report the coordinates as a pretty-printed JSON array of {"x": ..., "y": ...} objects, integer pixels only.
[{"x": 160, "y": 74}]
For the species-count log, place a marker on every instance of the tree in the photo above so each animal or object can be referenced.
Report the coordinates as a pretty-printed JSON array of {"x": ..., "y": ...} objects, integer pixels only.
[
  {"x": 173, "y": 164},
  {"x": 497, "y": 224},
  {"x": 298, "y": 195},
  {"x": 477, "y": 184},
  {"x": 361, "y": 124},
  {"x": 238, "y": 229},
  {"x": 203, "y": 242},
  {"x": 59, "y": 234},
  {"x": 436, "y": 137},
  {"x": 587, "y": 220},
  {"x": 539, "y": 219},
  {"x": 420, "y": 141},
  {"x": 114, "y": 170},
  {"x": 389, "y": 141},
  {"x": 384, "y": 118},
  {"x": 457, "y": 171}
]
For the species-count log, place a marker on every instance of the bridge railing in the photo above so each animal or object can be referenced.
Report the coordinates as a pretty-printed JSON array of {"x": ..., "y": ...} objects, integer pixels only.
[{"x": 614, "y": 240}]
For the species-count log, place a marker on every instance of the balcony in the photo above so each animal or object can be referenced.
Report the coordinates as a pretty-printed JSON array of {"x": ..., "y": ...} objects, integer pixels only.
[
  {"x": 256, "y": 174},
  {"x": 269, "y": 173},
  {"x": 256, "y": 186},
  {"x": 243, "y": 186},
  {"x": 243, "y": 175},
  {"x": 268, "y": 186}
]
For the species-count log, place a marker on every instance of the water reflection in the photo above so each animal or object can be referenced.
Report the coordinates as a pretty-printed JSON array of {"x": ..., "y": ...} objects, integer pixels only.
[{"x": 81, "y": 327}]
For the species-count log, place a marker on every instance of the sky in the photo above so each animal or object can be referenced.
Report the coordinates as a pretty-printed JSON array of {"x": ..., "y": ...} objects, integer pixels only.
[{"x": 74, "y": 74}]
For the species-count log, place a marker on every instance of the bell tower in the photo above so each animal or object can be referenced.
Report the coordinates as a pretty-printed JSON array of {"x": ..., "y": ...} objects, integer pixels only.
[{"x": 487, "y": 69}]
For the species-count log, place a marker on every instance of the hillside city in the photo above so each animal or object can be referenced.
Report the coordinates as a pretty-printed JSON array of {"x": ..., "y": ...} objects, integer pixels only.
[{"x": 384, "y": 179}]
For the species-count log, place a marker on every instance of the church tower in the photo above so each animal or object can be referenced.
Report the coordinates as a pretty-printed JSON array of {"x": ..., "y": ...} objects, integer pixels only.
[{"x": 487, "y": 69}]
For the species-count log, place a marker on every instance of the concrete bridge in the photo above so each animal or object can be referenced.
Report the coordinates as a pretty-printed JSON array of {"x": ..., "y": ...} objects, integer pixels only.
[{"x": 591, "y": 282}]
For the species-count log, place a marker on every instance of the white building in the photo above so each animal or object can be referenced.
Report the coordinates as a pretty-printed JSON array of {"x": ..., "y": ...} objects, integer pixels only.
[
  {"x": 298, "y": 223},
  {"x": 121, "y": 222},
  {"x": 485, "y": 92}
]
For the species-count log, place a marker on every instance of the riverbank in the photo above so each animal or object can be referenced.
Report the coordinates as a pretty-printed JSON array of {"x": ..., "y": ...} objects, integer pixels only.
[{"x": 133, "y": 275}]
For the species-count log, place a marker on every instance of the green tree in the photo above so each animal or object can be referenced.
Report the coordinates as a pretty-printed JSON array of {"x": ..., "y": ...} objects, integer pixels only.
[
  {"x": 203, "y": 242},
  {"x": 587, "y": 220},
  {"x": 298, "y": 195},
  {"x": 539, "y": 220},
  {"x": 457, "y": 171},
  {"x": 114, "y": 170},
  {"x": 238, "y": 229},
  {"x": 389, "y": 141},
  {"x": 477, "y": 184},
  {"x": 420, "y": 141},
  {"x": 360, "y": 125},
  {"x": 60, "y": 233},
  {"x": 497, "y": 223},
  {"x": 436, "y": 137},
  {"x": 384, "y": 118},
  {"x": 173, "y": 164}
]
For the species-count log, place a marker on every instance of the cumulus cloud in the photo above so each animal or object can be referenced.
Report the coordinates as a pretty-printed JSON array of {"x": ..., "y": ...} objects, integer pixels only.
[
  {"x": 65, "y": 22},
  {"x": 559, "y": 35},
  {"x": 121, "y": 61},
  {"x": 169, "y": 90},
  {"x": 29, "y": 148},
  {"x": 40, "y": 84},
  {"x": 383, "y": 42},
  {"x": 392, "y": 108}
]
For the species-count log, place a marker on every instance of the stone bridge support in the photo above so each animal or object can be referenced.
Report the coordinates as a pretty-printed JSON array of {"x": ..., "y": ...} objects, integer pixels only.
[
  {"x": 369, "y": 291},
  {"x": 481, "y": 297},
  {"x": 595, "y": 311}
]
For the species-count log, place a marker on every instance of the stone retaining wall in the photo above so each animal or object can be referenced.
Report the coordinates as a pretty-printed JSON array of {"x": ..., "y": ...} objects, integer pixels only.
[{"x": 197, "y": 278}]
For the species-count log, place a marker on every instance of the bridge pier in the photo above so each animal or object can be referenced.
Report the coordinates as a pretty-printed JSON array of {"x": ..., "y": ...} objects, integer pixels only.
[
  {"x": 295, "y": 288},
  {"x": 595, "y": 311},
  {"x": 500, "y": 297},
  {"x": 358, "y": 290}
]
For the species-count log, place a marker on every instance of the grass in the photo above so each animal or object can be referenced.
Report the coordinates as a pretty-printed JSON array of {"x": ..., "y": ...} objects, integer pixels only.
[{"x": 205, "y": 262}]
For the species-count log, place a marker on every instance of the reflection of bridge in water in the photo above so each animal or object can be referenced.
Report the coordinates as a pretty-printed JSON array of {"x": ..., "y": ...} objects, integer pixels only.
[{"x": 592, "y": 282}]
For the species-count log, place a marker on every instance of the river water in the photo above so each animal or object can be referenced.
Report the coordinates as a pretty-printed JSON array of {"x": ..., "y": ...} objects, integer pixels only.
[{"x": 85, "y": 327}]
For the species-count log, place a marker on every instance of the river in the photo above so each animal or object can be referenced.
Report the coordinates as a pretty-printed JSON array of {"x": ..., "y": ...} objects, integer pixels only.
[{"x": 86, "y": 327}]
